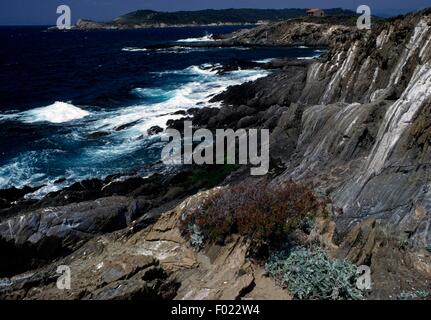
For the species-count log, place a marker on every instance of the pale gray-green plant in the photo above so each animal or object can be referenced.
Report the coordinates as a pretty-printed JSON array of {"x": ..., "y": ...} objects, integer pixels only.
[
  {"x": 197, "y": 239},
  {"x": 310, "y": 274},
  {"x": 415, "y": 295}
]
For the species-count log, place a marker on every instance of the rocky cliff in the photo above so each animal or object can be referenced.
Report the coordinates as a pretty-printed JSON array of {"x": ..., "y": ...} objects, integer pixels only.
[
  {"x": 310, "y": 31},
  {"x": 354, "y": 126},
  {"x": 369, "y": 103},
  {"x": 356, "y": 120}
]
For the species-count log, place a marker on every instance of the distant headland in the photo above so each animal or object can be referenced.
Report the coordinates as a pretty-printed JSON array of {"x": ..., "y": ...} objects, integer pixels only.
[{"x": 153, "y": 19}]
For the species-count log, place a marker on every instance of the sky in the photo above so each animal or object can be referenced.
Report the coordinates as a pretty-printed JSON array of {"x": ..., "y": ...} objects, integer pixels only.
[{"x": 43, "y": 12}]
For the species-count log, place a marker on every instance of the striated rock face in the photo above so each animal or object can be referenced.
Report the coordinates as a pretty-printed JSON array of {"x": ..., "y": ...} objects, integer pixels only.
[
  {"x": 282, "y": 88},
  {"x": 154, "y": 263},
  {"x": 356, "y": 122},
  {"x": 296, "y": 33},
  {"x": 372, "y": 65},
  {"x": 27, "y": 240},
  {"x": 33, "y": 234},
  {"x": 396, "y": 267},
  {"x": 159, "y": 263},
  {"x": 365, "y": 140}
]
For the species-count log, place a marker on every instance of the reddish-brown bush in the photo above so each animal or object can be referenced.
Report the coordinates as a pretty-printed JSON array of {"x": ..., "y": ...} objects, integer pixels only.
[{"x": 264, "y": 213}]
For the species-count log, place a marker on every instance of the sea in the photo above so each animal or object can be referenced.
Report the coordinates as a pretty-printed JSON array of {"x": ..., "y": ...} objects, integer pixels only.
[{"x": 77, "y": 105}]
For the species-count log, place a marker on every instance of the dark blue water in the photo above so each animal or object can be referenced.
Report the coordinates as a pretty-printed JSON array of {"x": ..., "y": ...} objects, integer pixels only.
[{"x": 59, "y": 88}]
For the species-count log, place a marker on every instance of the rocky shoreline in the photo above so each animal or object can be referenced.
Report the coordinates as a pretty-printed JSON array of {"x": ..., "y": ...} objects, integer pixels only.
[
  {"x": 352, "y": 126},
  {"x": 88, "y": 25}
]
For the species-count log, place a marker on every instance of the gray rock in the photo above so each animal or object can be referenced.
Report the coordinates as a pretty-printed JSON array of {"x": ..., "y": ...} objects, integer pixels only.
[
  {"x": 154, "y": 130},
  {"x": 30, "y": 239}
]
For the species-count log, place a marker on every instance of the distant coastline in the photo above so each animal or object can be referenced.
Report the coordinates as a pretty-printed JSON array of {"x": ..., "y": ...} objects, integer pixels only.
[
  {"x": 92, "y": 25},
  {"x": 144, "y": 19}
]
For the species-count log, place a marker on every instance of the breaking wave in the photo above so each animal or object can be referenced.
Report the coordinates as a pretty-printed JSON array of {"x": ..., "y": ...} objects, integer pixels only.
[
  {"x": 132, "y": 49},
  {"x": 58, "y": 112},
  {"x": 206, "y": 38},
  {"x": 264, "y": 60},
  {"x": 123, "y": 140}
]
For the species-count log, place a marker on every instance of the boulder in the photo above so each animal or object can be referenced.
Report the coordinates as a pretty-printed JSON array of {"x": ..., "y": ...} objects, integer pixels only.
[{"x": 154, "y": 130}]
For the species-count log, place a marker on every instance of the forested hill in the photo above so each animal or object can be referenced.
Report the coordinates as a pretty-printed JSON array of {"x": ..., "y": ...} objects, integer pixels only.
[
  {"x": 149, "y": 18},
  {"x": 216, "y": 16}
]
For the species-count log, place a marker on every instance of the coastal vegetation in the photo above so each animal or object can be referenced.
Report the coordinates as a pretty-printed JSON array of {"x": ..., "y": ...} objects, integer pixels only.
[{"x": 264, "y": 213}]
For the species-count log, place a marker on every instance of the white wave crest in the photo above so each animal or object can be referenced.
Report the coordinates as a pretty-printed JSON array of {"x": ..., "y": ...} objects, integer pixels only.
[
  {"x": 133, "y": 49},
  {"x": 205, "y": 84},
  {"x": 264, "y": 60},
  {"x": 127, "y": 128},
  {"x": 206, "y": 38},
  {"x": 317, "y": 54},
  {"x": 57, "y": 112},
  {"x": 307, "y": 58}
]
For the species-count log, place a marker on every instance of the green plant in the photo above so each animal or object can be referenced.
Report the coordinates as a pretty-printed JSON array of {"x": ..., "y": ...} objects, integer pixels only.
[
  {"x": 310, "y": 274},
  {"x": 208, "y": 177}
]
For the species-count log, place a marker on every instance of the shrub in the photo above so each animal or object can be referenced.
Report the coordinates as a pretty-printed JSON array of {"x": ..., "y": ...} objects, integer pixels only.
[
  {"x": 209, "y": 176},
  {"x": 310, "y": 274},
  {"x": 415, "y": 295},
  {"x": 263, "y": 213}
]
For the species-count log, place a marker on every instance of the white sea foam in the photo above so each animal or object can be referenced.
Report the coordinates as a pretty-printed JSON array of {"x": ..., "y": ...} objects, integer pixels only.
[
  {"x": 174, "y": 49},
  {"x": 264, "y": 60},
  {"x": 152, "y": 93},
  {"x": 206, "y": 38},
  {"x": 183, "y": 49},
  {"x": 307, "y": 58},
  {"x": 205, "y": 69},
  {"x": 316, "y": 54},
  {"x": 20, "y": 171},
  {"x": 180, "y": 49},
  {"x": 133, "y": 49},
  {"x": 30, "y": 167},
  {"x": 57, "y": 112},
  {"x": 192, "y": 94}
]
